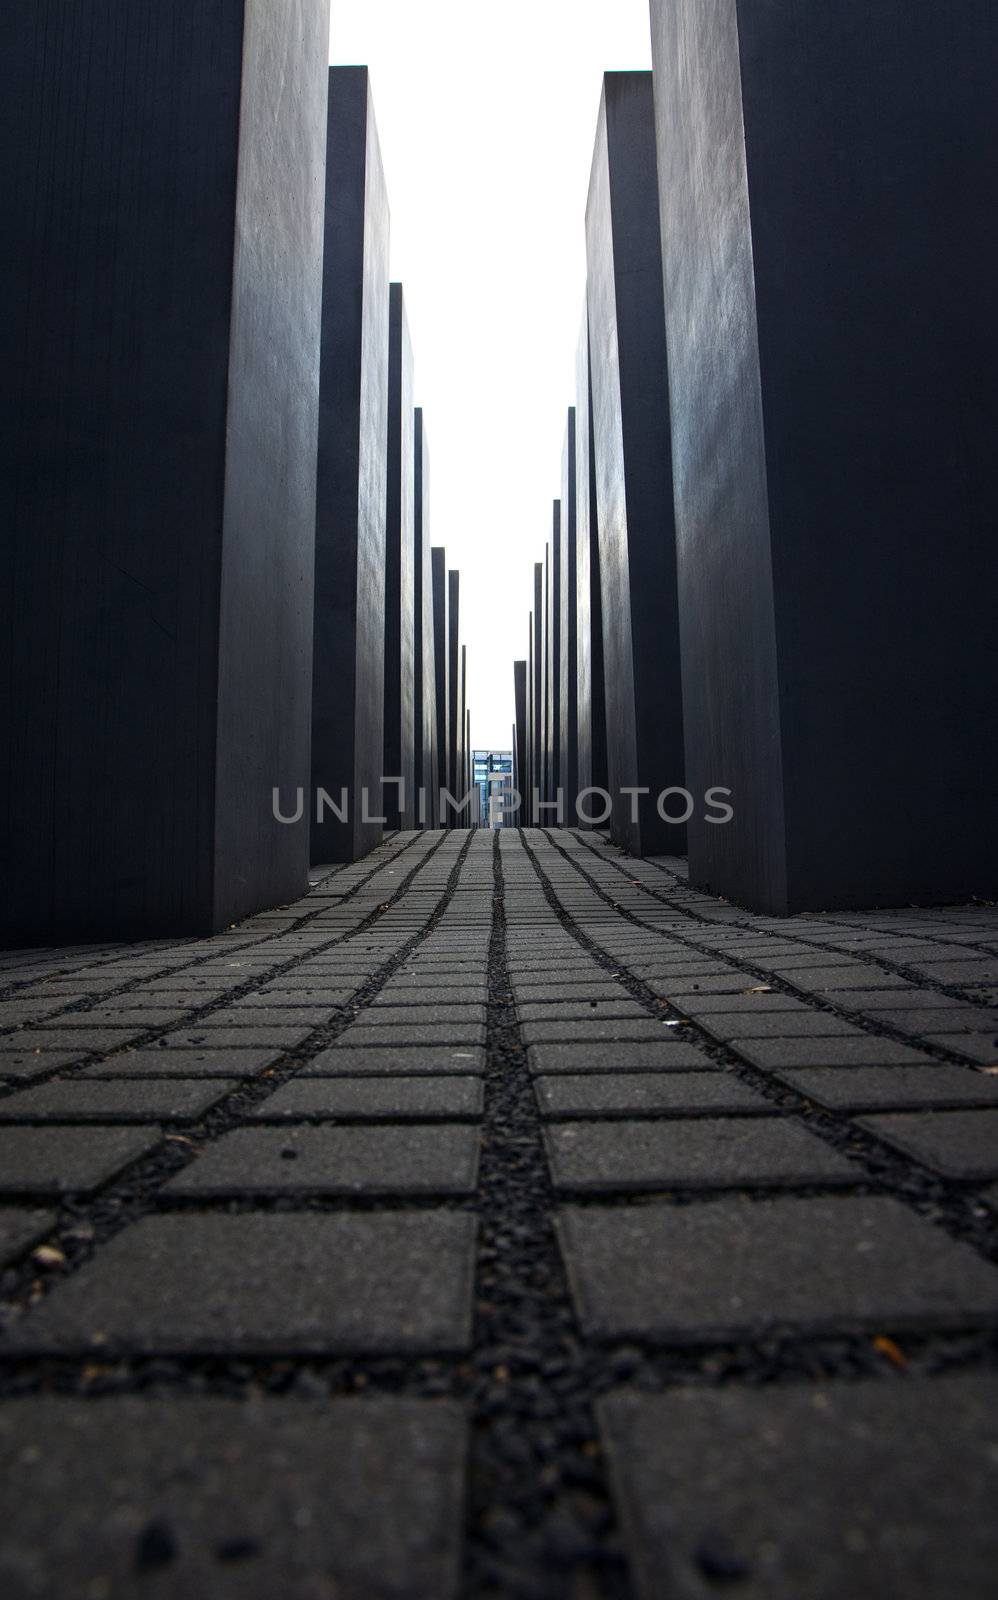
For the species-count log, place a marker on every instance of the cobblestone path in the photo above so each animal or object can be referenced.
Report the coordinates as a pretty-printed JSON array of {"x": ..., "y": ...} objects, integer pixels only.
[{"x": 503, "y": 1219}]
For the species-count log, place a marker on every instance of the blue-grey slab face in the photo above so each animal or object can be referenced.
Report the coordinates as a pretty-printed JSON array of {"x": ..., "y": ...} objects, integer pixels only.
[
  {"x": 156, "y": 314},
  {"x": 400, "y": 578},
  {"x": 453, "y": 680},
  {"x": 441, "y": 667},
  {"x": 537, "y": 679},
  {"x": 829, "y": 249},
  {"x": 633, "y": 462},
  {"x": 424, "y": 708},
  {"x": 568, "y": 671},
  {"x": 589, "y": 620},
  {"x": 348, "y": 665},
  {"x": 552, "y": 664}
]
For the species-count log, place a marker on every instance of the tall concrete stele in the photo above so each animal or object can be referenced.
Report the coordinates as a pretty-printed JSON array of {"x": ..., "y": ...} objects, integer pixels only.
[
  {"x": 829, "y": 206},
  {"x": 591, "y": 698},
  {"x": 424, "y": 639},
  {"x": 631, "y": 434},
  {"x": 160, "y": 303},
  {"x": 399, "y": 804},
  {"x": 348, "y": 673}
]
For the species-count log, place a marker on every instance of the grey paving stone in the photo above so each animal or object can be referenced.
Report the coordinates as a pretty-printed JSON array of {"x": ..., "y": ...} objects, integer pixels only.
[
  {"x": 260, "y": 1284},
  {"x": 391, "y": 1013},
  {"x": 120, "y": 1099},
  {"x": 666, "y": 1054},
  {"x": 639, "y": 1030},
  {"x": 69, "y": 1041},
  {"x": 831, "y": 1490},
  {"x": 135, "y": 1017},
  {"x": 725, "y": 1269},
  {"x": 46, "y": 1161},
  {"x": 253, "y": 1037},
  {"x": 865, "y": 1051},
  {"x": 953, "y": 1019},
  {"x": 596, "y": 988},
  {"x": 646, "y": 1094},
  {"x": 20, "y": 1229},
  {"x": 778, "y": 1025},
  {"x": 711, "y": 1153},
  {"x": 456, "y": 1033},
  {"x": 446, "y": 979},
  {"x": 354, "y": 1499},
  {"x": 23, "y": 1065},
  {"x": 583, "y": 1010},
  {"x": 877, "y": 1000},
  {"x": 760, "y": 1000},
  {"x": 873, "y": 1088},
  {"x": 160, "y": 1062},
  {"x": 679, "y": 988},
  {"x": 958, "y": 1144},
  {"x": 352, "y": 1060},
  {"x": 416, "y": 994},
  {"x": 982, "y": 1047},
  {"x": 963, "y": 974},
  {"x": 266, "y": 1018},
  {"x": 819, "y": 978},
  {"x": 305, "y": 1159},
  {"x": 374, "y": 1100}
]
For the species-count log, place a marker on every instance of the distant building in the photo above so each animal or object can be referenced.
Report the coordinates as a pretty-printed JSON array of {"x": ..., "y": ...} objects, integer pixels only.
[{"x": 493, "y": 778}]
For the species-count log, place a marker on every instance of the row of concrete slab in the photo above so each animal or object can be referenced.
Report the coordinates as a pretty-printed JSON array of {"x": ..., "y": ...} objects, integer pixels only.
[
  {"x": 221, "y": 622},
  {"x": 765, "y": 620}
]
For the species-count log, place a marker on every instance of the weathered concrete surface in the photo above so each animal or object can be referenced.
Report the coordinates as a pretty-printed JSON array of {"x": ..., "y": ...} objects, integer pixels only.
[
  {"x": 829, "y": 197},
  {"x": 160, "y": 290},
  {"x": 589, "y": 624},
  {"x": 349, "y": 662},
  {"x": 568, "y": 668},
  {"x": 630, "y": 411},
  {"x": 441, "y": 672},
  {"x": 424, "y": 713},
  {"x": 400, "y": 574},
  {"x": 520, "y": 735}
]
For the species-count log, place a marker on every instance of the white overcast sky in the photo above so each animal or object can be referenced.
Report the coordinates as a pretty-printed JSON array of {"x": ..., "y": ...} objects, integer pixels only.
[{"x": 486, "y": 115}]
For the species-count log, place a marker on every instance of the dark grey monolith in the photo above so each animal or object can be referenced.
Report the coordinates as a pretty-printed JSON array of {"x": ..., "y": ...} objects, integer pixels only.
[
  {"x": 160, "y": 302},
  {"x": 519, "y": 738},
  {"x": 441, "y": 676},
  {"x": 568, "y": 645},
  {"x": 424, "y": 711},
  {"x": 589, "y": 632},
  {"x": 455, "y": 719},
  {"x": 830, "y": 201},
  {"x": 552, "y": 774},
  {"x": 537, "y": 754},
  {"x": 348, "y": 671},
  {"x": 545, "y": 768},
  {"x": 526, "y": 811},
  {"x": 399, "y": 804},
  {"x": 644, "y": 716},
  {"x": 462, "y": 751}
]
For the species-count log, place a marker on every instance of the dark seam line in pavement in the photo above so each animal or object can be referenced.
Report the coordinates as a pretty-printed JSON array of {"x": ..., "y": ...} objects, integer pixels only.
[
  {"x": 134, "y": 1192},
  {"x": 191, "y": 1019},
  {"x": 939, "y": 1202},
  {"x": 954, "y": 991},
  {"x": 781, "y": 984},
  {"x": 252, "y": 942},
  {"x": 532, "y": 1400},
  {"x": 836, "y": 919}
]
